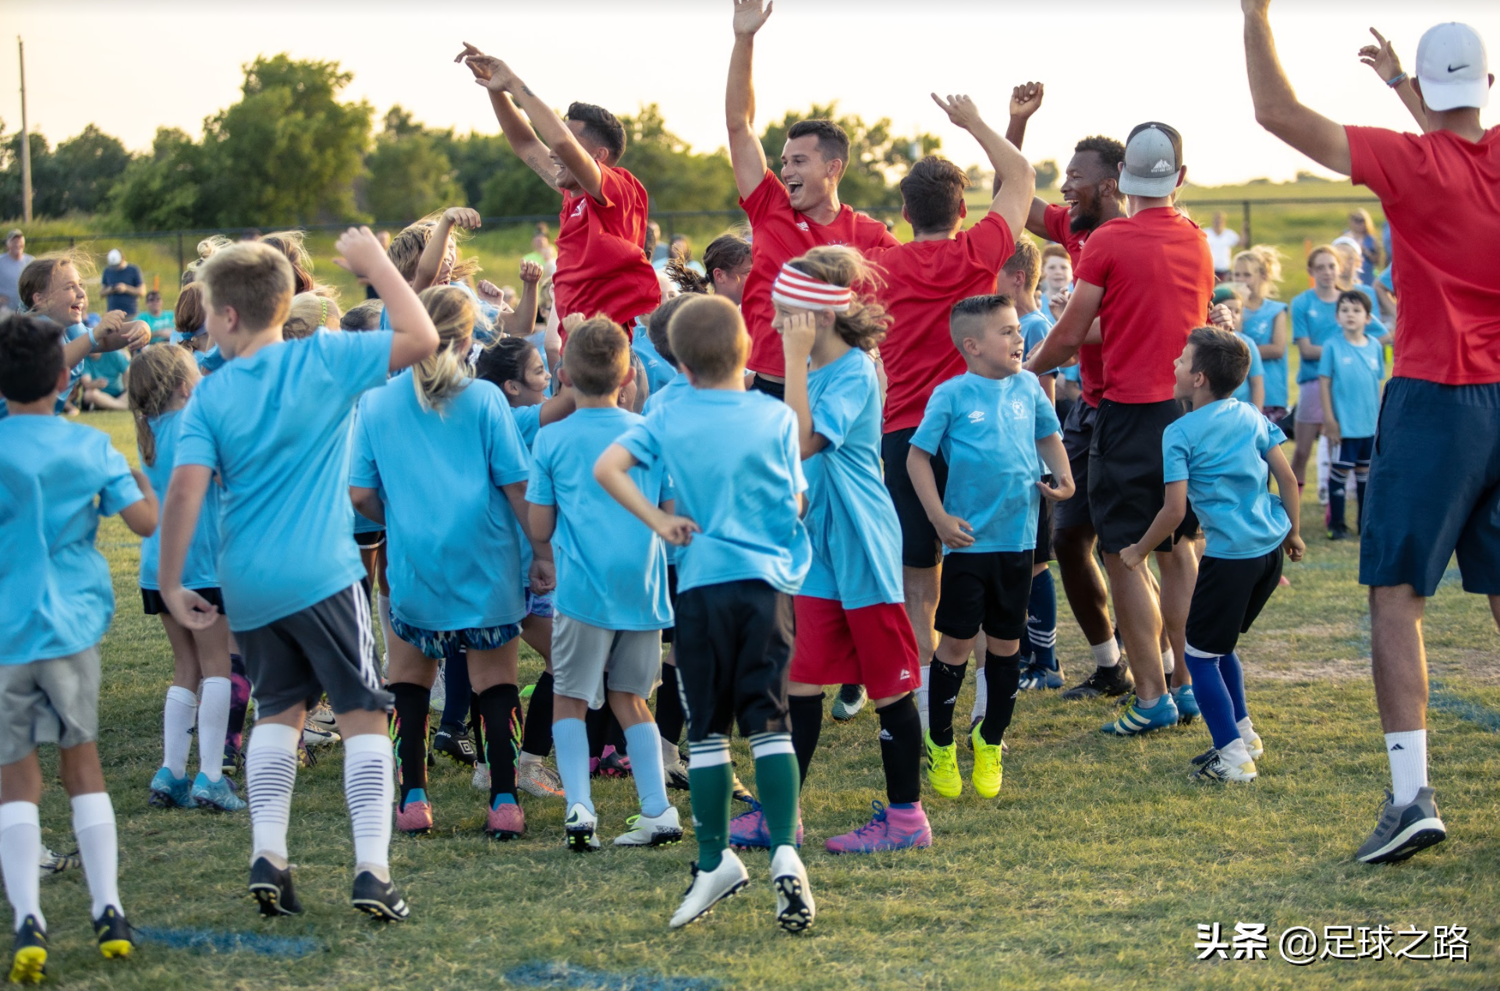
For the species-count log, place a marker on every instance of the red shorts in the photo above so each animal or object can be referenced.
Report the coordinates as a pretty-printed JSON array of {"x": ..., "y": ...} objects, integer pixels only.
[{"x": 873, "y": 646}]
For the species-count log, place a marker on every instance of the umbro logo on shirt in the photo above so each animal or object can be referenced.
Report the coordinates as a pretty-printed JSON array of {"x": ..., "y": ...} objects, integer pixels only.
[{"x": 977, "y": 416}]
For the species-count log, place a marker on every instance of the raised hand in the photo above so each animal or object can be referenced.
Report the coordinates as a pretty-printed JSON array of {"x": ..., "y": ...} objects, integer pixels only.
[
  {"x": 798, "y": 331},
  {"x": 1026, "y": 99},
  {"x": 488, "y": 71},
  {"x": 116, "y": 331},
  {"x": 488, "y": 291},
  {"x": 960, "y": 110},
  {"x": 1222, "y": 317},
  {"x": 531, "y": 272},
  {"x": 359, "y": 251},
  {"x": 1381, "y": 57},
  {"x": 461, "y": 216},
  {"x": 749, "y": 16}
]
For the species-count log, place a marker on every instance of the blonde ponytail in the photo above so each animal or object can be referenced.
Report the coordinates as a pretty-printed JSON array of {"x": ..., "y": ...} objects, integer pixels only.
[{"x": 446, "y": 373}]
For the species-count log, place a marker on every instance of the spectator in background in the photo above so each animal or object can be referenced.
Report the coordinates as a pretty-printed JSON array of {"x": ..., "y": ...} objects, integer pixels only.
[
  {"x": 542, "y": 252},
  {"x": 1221, "y": 244},
  {"x": 123, "y": 285},
  {"x": 1362, "y": 232},
  {"x": 11, "y": 263},
  {"x": 655, "y": 250},
  {"x": 160, "y": 321}
]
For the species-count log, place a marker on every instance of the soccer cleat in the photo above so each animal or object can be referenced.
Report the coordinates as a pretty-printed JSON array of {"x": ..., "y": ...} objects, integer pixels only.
[
  {"x": 942, "y": 768},
  {"x": 739, "y": 792},
  {"x": 169, "y": 791},
  {"x": 794, "y": 900},
  {"x": 113, "y": 933},
  {"x": 748, "y": 829},
  {"x": 272, "y": 887},
  {"x": 536, "y": 778},
  {"x": 1403, "y": 830},
  {"x": 323, "y": 718},
  {"x": 379, "y": 899},
  {"x": 580, "y": 829},
  {"x": 644, "y": 830},
  {"x": 314, "y": 736},
  {"x": 217, "y": 795},
  {"x": 708, "y": 888},
  {"x": 1109, "y": 682},
  {"x": 505, "y": 820},
  {"x": 456, "y": 743},
  {"x": 481, "y": 779},
  {"x": 613, "y": 764},
  {"x": 56, "y": 863},
  {"x": 1256, "y": 747},
  {"x": 1216, "y": 768},
  {"x": 848, "y": 702},
  {"x": 1187, "y": 704},
  {"x": 28, "y": 962},
  {"x": 677, "y": 774},
  {"x": 989, "y": 766},
  {"x": 232, "y": 759},
  {"x": 415, "y": 814},
  {"x": 1136, "y": 720},
  {"x": 1039, "y": 677},
  {"x": 1338, "y": 533},
  {"x": 888, "y": 829}
]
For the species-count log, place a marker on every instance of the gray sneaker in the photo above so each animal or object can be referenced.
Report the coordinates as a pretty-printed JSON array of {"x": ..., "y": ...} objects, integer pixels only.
[
  {"x": 1403, "y": 830},
  {"x": 848, "y": 702}
]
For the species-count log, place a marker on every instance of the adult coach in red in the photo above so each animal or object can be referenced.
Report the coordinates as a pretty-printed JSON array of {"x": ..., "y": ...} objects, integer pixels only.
[
  {"x": 789, "y": 215},
  {"x": 601, "y": 264},
  {"x": 1148, "y": 279},
  {"x": 1435, "y": 478}
]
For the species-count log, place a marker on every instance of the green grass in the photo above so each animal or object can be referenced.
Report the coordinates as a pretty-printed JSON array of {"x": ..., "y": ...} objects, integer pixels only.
[{"x": 1091, "y": 870}]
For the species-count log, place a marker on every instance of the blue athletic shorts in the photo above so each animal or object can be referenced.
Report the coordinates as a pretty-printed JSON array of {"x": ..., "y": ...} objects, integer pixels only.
[
  {"x": 437, "y": 644},
  {"x": 1434, "y": 488}
]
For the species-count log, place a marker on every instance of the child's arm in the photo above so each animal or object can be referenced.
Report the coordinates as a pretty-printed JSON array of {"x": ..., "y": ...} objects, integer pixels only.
[
  {"x": 1330, "y": 417},
  {"x": 954, "y": 532},
  {"x": 432, "y": 256},
  {"x": 543, "y": 577},
  {"x": 522, "y": 320},
  {"x": 115, "y": 331},
  {"x": 415, "y": 337},
  {"x": 523, "y": 140},
  {"x": 797, "y": 334},
  {"x": 178, "y": 522},
  {"x": 141, "y": 515},
  {"x": 543, "y": 520},
  {"x": 1276, "y": 348},
  {"x": 1257, "y": 391},
  {"x": 1055, "y": 457},
  {"x": 612, "y": 472},
  {"x": 367, "y": 501},
  {"x": 1015, "y": 179},
  {"x": 1167, "y": 521},
  {"x": 1286, "y": 485}
]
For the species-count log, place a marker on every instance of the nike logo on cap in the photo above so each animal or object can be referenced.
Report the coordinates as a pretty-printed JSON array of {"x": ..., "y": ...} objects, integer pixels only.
[{"x": 1455, "y": 68}]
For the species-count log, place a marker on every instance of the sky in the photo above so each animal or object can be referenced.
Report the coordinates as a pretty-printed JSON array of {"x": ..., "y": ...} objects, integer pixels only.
[{"x": 130, "y": 68}]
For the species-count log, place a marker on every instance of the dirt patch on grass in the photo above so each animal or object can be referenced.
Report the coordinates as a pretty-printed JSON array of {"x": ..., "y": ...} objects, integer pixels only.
[{"x": 1275, "y": 659}]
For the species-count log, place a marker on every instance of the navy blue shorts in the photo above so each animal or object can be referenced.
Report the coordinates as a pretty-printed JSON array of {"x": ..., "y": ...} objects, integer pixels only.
[{"x": 1434, "y": 488}]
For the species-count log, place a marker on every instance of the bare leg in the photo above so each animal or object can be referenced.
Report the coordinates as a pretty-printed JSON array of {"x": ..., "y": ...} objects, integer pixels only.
[
  {"x": 1307, "y": 440},
  {"x": 921, "y": 586},
  {"x": 1179, "y": 574},
  {"x": 1083, "y": 582},
  {"x": 1397, "y": 657},
  {"x": 1139, "y": 616}
]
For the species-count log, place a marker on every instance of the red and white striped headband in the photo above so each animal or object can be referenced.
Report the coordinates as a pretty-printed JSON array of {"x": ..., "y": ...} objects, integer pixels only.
[{"x": 796, "y": 288}]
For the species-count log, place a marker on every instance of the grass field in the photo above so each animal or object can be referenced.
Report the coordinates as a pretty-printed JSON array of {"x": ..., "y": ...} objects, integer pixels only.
[{"x": 1092, "y": 870}]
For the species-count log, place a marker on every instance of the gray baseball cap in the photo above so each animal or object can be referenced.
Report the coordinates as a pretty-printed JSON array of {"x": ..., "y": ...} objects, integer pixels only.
[{"x": 1153, "y": 158}]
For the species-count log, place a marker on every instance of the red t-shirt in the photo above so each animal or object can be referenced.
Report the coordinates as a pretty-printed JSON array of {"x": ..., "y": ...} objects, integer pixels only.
[
  {"x": 601, "y": 265},
  {"x": 1090, "y": 356},
  {"x": 779, "y": 234},
  {"x": 1158, "y": 277},
  {"x": 1441, "y": 195},
  {"x": 923, "y": 280}
]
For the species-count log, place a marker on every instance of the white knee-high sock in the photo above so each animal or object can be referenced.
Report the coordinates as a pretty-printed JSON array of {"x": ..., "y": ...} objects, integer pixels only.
[
  {"x": 213, "y": 723},
  {"x": 94, "y": 828},
  {"x": 1407, "y": 752},
  {"x": 20, "y": 851},
  {"x": 270, "y": 773},
  {"x": 981, "y": 696},
  {"x": 923, "y": 694},
  {"x": 369, "y": 789},
  {"x": 177, "y": 729}
]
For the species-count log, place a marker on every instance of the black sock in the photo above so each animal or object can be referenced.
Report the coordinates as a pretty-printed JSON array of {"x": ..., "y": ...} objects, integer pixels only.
[
  {"x": 239, "y": 702},
  {"x": 807, "y": 723},
  {"x": 500, "y": 713},
  {"x": 476, "y": 727},
  {"x": 669, "y": 715},
  {"x": 901, "y": 750},
  {"x": 596, "y": 722},
  {"x": 411, "y": 734},
  {"x": 942, "y": 687},
  {"x": 536, "y": 739},
  {"x": 1003, "y": 675}
]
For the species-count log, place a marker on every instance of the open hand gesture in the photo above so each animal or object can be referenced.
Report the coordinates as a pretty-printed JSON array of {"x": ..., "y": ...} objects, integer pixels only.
[
  {"x": 960, "y": 109},
  {"x": 359, "y": 252},
  {"x": 1026, "y": 99},
  {"x": 488, "y": 71},
  {"x": 749, "y": 17},
  {"x": 798, "y": 331},
  {"x": 1381, "y": 57}
]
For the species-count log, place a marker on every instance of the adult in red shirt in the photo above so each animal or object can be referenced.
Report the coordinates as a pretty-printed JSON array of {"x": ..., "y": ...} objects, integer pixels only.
[
  {"x": 788, "y": 216},
  {"x": 601, "y": 262},
  {"x": 922, "y": 281},
  {"x": 1091, "y": 197},
  {"x": 1148, "y": 278},
  {"x": 1435, "y": 479}
]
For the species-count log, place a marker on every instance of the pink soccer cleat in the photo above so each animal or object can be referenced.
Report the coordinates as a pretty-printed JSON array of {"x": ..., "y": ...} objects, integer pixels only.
[
  {"x": 888, "y": 829},
  {"x": 506, "y": 821}
]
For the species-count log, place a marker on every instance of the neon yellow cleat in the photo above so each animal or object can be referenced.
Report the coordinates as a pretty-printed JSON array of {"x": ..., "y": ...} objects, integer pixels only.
[
  {"x": 989, "y": 766},
  {"x": 942, "y": 768}
]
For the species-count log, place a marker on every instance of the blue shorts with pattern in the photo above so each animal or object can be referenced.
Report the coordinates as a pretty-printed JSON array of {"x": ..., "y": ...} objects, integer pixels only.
[
  {"x": 438, "y": 644},
  {"x": 539, "y": 605}
]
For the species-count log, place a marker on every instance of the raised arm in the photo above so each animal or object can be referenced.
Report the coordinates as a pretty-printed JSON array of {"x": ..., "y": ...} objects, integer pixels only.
[
  {"x": 553, "y": 132},
  {"x": 431, "y": 260},
  {"x": 523, "y": 140},
  {"x": 415, "y": 337},
  {"x": 1025, "y": 100},
  {"x": 1015, "y": 179},
  {"x": 745, "y": 152},
  {"x": 521, "y": 322},
  {"x": 1382, "y": 58},
  {"x": 797, "y": 334},
  {"x": 1277, "y": 108}
]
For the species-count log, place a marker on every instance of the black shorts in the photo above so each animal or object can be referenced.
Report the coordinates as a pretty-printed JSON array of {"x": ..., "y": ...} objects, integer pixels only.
[
  {"x": 369, "y": 539},
  {"x": 1043, "y": 552},
  {"x": 1228, "y": 597},
  {"x": 1126, "y": 489},
  {"x": 734, "y": 658},
  {"x": 666, "y": 635},
  {"x": 762, "y": 384},
  {"x": 1077, "y": 437},
  {"x": 327, "y": 647},
  {"x": 154, "y": 605},
  {"x": 988, "y": 589},
  {"x": 920, "y": 547}
]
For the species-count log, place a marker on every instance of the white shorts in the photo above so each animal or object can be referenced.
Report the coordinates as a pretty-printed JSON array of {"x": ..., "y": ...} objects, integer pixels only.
[
  {"x": 49, "y": 701},
  {"x": 581, "y": 654}
]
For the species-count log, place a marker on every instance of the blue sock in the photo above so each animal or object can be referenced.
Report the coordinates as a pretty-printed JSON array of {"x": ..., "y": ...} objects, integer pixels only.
[
  {"x": 1041, "y": 621},
  {"x": 1234, "y": 680},
  {"x": 644, "y": 743},
  {"x": 1213, "y": 699},
  {"x": 571, "y": 739},
  {"x": 456, "y": 683}
]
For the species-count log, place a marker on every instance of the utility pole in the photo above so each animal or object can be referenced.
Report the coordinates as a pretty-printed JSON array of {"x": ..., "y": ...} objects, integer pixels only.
[{"x": 25, "y": 141}]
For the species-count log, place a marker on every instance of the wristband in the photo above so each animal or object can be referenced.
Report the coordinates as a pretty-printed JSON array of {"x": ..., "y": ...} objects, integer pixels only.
[
  {"x": 93, "y": 341},
  {"x": 1396, "y": 80}
]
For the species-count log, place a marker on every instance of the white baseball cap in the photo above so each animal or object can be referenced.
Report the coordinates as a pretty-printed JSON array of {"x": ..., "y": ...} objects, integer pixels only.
[
  {"x": 1453, "y": 68},
  {"x": 114, "y": 256}
]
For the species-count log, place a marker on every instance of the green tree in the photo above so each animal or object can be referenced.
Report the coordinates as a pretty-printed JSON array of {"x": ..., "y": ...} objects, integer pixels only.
[
  {"x": 162, "y": 190},
  {"x": 409, "y": 174},
  {"x": 88, "y": 165},
  {"x": 1047, "y": 173},
  {"x": 878, "y": 157},
  {"x": 45, "y": 201},
  {"x": 675, "y": 177}
]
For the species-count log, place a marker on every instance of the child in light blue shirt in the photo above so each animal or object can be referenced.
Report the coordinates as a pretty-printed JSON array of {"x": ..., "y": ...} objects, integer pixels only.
[{"x": 1349, "y": 375}]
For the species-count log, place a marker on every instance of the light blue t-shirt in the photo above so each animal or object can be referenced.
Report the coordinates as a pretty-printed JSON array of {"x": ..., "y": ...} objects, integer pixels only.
[
  {"x": 1220, "y": 451},
  {"x": 200, "y": 568},
  {"x": 1257, "y": 370},
  {"x": 1318, "y": 322},
  {"x": 736, "y": 470},
  {"x": 275, "y": 425},
  {"x": 987, "y": 429},
  {"x": 1260, "y": 326},
  {"x": 1354, "y": 375},
  {"x": 1034, "y": 328},
  {"x": 56, "y": 479},
  {"x": 856, "y": 537},
  {"x": 210, "y": 360},
  {"x": 676, "y": 388},
  {"x": 611, "y": 567},
  {"x": 658, "y": 371},
  {"x": 451, "y": 531}
]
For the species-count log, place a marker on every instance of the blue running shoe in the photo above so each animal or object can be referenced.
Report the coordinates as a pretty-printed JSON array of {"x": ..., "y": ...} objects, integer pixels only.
[
  {"x": 170, "y": 792},
  {"x": 1039, "y": 677},
  {"x": 1136, "y": 720},
  {"x": 1187, "y": 704},
  {"x": 217, "y": 795}
]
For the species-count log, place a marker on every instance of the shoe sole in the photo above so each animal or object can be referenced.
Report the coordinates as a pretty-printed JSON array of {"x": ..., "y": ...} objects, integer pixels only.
[
  {"x": 29, "y": 965},
  {"x": 163, "y": 800},
  {"x": 709, "y": 908},
  {"x": 114, "y": 949},
  {"x": 269, "y": 897},
  {"x": 795, "y": 916},
  {"x": 1410, "y": 841},
  {"x": 536, "y": 791},
  {"x": 380, "y": 911},
  {"x": 212, "y": 806},
  {"x": 502, "y": 835},
  {"x": 662, "y": 837},
  {"x": 582, "y": 841},
  {"x": 844, "y": 715},
  {"x": 458, "y": 758}
]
